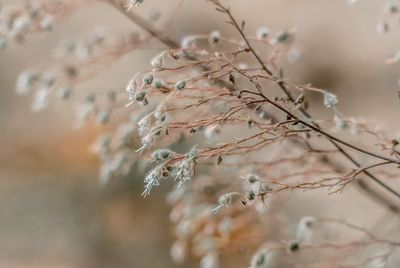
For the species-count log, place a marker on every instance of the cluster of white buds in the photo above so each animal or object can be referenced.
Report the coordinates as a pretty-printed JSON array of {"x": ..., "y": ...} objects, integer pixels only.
[
  {"x": 18, "y": 20},
  {"x": 43, "y": 83},
  {"x": 150, "y": 126},
  {"x": 185, "y": 169},
  {"x": 153, "y": 178}
]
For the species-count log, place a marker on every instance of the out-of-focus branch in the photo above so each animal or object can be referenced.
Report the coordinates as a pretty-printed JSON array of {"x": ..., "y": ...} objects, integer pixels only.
[{"x": 145, "y": 25}]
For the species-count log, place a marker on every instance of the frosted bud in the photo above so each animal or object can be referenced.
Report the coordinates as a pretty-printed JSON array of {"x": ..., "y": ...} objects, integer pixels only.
[
  {"x": 47, "y": 23},
  {"x": 158, "y": 61},
  {"x": 40, "y": 100},
  {"x": 330, "y": 99},
  {"x": 209, "y": 261},
  {"x": 148, "y": 79},
  {"x": 180, "y": 85},
  {"x": 178, "y": 252},
  {"x": 282, "y": 37},
  {"x": 263, "y": 258},
  {"x": 160, "y": 116},
  {"x": 225, "y": 200},
  {"x": 382, "y": 27},
  {"x": 103, "y": 117},
  {"x": 19, "y": 25},
  {"x": 140, "y": 96},
  {"x": 392, "y": 7},
  {"x": 3, "y": 42},
  {"x": 262, "y": 33},
  {"x": 214, "y": 37},
  {"x": 159, "y": 83},
  {"x": 252, "y": 178},
  {"x": 211, "y": 131},
  {"x": 64, "y": 92},
  {"x": 161, "y": 155},
  {"x": 48, "y": 79},
  {"x": 98, "y": 36},
  {"x": 305, "y": 228},
  {"x": 25, "y": 82},
  {"x": 188, "y": 41}
]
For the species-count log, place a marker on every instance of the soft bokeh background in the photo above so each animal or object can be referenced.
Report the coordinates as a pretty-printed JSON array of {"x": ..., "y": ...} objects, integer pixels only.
[{"x": 53, "y": 212}]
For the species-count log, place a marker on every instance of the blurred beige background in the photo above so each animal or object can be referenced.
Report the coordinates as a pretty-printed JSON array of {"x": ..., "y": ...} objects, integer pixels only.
[{"x": 52, "y": 211}]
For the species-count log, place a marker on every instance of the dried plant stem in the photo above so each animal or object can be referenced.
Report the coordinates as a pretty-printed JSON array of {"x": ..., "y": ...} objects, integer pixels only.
[
  {"x": 313, "y": 125},
  {"x": 145, "y": 25}
]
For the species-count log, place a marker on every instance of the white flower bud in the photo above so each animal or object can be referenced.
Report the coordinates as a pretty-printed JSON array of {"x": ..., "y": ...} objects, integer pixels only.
[
  {"x": 305, "y": 228},
  {"x": 392, "y": 7},
  {"x": 159, "y": 83},
  {"x": 161, "y": 155},
  {"x": 188, "y": 41},
  {"x": 214, "y": 37},
  {"x": 282, "y": 37},
  {"x": 330, "y": 99},
  {"x": 20, "y": 25},
  {"x": 178, "y": 252},
  {"x": 262, "y": 259},
  {"x": 25, "y": 82},
  {"x": 64, "y": 92},
  {"x": 158, "y": 61},
  {"x": 3, "y": 42},
  {"x": 148, "y": 79},
  {"x": 211, "y": 131},
  {"x": 103, "y": 117},
  {"x": 262, "y": 33},
  {"x": 209, "y": 261},
  {"x": 47, "y": 23},
  {"x": 40, "y": 100},
  {"x": 180, "y": 85}
]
